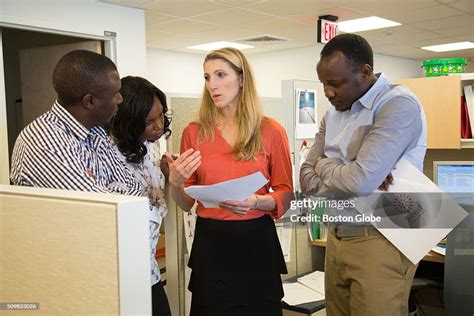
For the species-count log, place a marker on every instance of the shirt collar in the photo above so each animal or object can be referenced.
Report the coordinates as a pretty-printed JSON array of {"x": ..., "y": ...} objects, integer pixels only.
[
  {"x": 368, "y": 99},
  {"x": 79, "y": 130}
]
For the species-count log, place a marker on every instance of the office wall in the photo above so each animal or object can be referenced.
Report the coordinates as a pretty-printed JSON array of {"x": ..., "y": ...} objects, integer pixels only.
[
  {"x": 78, "y": 18},
  {"x": 182, "y": 73},
  {"x": 174, "y": 72},
  {"x": 271, "y": 68},
  {"x": 88, "y": 18}
]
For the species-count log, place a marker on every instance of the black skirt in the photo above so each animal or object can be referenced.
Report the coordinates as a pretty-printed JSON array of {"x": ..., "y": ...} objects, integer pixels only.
[{"x": 236, "y": 264}]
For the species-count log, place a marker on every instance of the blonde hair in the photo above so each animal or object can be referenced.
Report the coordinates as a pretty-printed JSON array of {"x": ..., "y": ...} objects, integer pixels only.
[{"x": 248, "y": 115}]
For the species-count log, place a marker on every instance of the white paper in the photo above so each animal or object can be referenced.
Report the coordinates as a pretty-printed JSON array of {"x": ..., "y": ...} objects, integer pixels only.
[
  {"x": 469, "y": 95},
  {"x": 415, "y": 243},
  {"x": 440, "y": 250},
  {"x": 236, "y": 190},
  {"x": 314, "y": 281},
  {"x": 407, "y": 178},
  {"x": 284, "y": 231},
  {"x": 296, "y": 293}
]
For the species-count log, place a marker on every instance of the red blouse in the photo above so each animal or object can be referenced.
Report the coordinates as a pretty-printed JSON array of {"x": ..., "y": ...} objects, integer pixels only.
[{"x": 218, "y": 164}]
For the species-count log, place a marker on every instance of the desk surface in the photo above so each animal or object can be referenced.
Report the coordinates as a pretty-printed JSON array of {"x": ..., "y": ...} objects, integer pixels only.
[
  {"x": 431, "y": 256},
  {"x": 305, "y": 308}
]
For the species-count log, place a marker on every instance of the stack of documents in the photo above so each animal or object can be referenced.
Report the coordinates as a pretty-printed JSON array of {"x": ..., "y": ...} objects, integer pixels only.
[
  {"x": 309, "y": 288},
  {"x": 233, "y": 190}
]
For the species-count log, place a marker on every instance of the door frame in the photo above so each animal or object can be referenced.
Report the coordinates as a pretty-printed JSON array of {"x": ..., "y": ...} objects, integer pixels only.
[{"x": 110, "y": 50}]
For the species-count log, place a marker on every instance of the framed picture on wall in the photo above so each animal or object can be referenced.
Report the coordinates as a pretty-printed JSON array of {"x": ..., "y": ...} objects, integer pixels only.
[{"x": 306, "y": 114}]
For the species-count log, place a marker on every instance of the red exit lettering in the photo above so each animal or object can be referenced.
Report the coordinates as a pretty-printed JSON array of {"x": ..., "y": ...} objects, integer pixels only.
[{"x": 329, "y": 31}]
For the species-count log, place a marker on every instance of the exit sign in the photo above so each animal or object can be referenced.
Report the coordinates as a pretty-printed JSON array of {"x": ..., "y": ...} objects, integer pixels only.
[{"x": 327, "y": 28}]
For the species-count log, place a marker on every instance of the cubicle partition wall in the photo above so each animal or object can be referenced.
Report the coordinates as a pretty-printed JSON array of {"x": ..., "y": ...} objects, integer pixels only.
[
  {"x": 74, "y": 252},
  {"x": 459, "y": 267}
]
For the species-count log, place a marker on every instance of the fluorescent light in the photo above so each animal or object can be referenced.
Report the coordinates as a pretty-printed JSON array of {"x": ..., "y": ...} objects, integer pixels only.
[
  {"x": 365, "y": 24},
  {"x": 221, "y": 44},
  {"x": 449, "y": 47}
]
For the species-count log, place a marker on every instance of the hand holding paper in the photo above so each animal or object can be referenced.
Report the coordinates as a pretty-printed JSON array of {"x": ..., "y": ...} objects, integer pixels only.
[{"x": 237, "y": 189}]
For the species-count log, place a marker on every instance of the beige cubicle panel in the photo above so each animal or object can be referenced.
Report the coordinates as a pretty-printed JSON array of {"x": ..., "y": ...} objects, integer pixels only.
[{"x": 74, "y": 252}]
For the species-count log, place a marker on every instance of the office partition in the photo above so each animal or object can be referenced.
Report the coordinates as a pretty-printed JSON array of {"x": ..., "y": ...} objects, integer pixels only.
[{"x": 74, "y": 252}]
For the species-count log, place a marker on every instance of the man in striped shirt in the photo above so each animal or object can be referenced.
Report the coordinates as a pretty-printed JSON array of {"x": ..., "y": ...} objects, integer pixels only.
[{"x": 67, "y": 147}]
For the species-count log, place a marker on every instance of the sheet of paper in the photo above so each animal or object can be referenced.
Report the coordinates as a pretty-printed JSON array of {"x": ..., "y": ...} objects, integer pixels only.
[
  {"x": 440, "y": 250},
  {"x": 284, "y": 231},
  {"x": 443, "y": 214},
  {"x": 296, "y": 293},
  {"x": 237, "y": 189},
  {"x": 314, "y": 280}
]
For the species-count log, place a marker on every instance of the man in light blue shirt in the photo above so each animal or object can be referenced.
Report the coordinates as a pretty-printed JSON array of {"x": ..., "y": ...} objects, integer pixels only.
[{"x": 373, "y": 124}]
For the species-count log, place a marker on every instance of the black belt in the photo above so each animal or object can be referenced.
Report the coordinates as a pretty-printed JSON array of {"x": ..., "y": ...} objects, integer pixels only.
[{"x": 353, "y": 231}]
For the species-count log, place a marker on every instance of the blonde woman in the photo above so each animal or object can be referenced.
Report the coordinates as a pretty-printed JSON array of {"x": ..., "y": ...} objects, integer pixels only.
[{"x": 236, "y": 259}]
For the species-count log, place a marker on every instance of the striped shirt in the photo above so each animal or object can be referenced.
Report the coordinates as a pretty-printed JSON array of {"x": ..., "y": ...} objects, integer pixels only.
[{"x": 56, "y": 151}]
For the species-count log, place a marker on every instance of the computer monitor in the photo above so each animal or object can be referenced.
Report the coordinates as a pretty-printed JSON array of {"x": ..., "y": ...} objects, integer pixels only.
[{"x": 454, "y": 176}]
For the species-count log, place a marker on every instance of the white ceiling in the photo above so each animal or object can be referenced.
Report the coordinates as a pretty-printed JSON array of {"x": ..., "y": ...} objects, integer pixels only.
[{"x": 176, "y": 24}]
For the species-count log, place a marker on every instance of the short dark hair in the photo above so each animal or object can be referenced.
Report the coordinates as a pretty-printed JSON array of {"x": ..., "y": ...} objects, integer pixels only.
[
  {"x": 78, "y": 73},
  {"x": 355, "y": 48},
  {"x": 129, "y": 123}
]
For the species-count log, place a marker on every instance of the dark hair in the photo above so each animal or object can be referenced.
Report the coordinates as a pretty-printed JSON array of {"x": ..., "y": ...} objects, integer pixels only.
[
  {"x": 78, "y": 73},
  {"x": 354, "y": 47},
  {"x": 129, "y": 123}
]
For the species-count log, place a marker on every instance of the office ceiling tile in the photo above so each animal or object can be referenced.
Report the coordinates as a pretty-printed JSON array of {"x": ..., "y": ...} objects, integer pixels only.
[
  {"x": 291, "y": 8},
  {"x": 443, "y": 23},
  {"x": 233, "y": 17},
  {"x": 403, "y": 34},
  {"x": 423, "y": 14},
  {"x": 306, "y": 35},
  {"x": 430, "y": 42},
  {"x": 275, "y": 25},
  {"x": 463, "y": 5},
  {"x": 184, "y": 27},
  {"x": 184, "y": 9},
  {"x": 380, "y": 42},
  {"x": 238, "y": 3},
  {"x": 424, "y": 55},
  {"x": 467, "y": 33},
  {"x": 381, "y": 7},
  {"x": 223, "y": 34},
  {"x": 152, "y": 18}
]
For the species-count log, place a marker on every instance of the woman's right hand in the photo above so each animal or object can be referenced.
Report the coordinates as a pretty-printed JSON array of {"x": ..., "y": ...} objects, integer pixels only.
[{"x": 183, "y": 167}]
